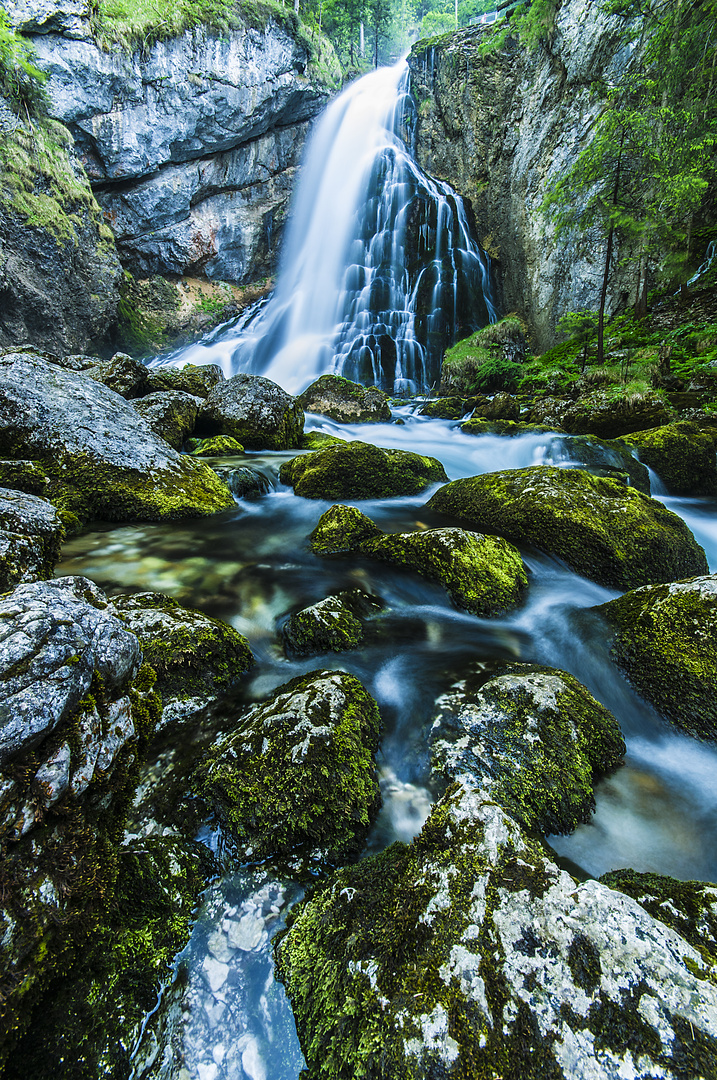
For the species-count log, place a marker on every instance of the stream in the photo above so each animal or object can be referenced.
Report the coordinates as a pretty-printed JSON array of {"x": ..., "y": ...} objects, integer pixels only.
[{"x": 251, "y": 567}]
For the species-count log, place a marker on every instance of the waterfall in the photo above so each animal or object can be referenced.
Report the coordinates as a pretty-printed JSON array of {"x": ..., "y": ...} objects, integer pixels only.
[{"x": 379, "y": 271}]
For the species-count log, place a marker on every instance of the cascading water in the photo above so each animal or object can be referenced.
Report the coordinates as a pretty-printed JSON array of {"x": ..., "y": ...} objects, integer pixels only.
[{"x": 379, "y": 272}]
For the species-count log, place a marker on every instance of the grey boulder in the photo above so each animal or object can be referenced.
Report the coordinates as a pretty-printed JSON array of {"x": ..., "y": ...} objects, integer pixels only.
[
  {"x": 31, "y": 532},
  {"x": 255, "y": 411}
]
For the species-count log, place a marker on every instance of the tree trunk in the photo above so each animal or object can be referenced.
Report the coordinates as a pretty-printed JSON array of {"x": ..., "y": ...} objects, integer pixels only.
[{"x": 608, "y": 256}]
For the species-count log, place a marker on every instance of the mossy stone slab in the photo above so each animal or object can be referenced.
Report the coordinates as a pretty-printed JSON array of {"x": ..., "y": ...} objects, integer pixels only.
[{"x": 358, "y": 470}]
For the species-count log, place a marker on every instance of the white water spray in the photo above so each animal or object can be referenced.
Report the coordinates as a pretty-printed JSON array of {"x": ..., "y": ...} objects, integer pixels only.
[{"x": 379, "y": 271}]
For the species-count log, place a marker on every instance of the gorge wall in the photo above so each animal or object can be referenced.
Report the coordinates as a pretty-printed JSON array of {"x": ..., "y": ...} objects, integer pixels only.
[{"x": 500, "y": 128}]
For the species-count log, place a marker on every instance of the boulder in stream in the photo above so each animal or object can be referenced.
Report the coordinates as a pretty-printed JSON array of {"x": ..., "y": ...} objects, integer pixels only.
[
  {"x": 468, "y": 953},
  {"x": 216, "y": 446},
  {"x": 195, "y": 379},
  {"x": 296, "y": 775},
  {"x": 31, "y": 532},
  {"x": 532, "y": 738},
  {"x": 608, "y": 416},
  {"x": 345, "y": 402},
  {"x": 603, "y": 530},
  {"x": 253, "y": 410},
  {"x": 101, "y": 458},
  {"x": 681, "y": 455},
  {"x": 194, "y": 656},
  {"x": 171, "y": 414},
  {"x": 483, "y": 574},
  {"x": 358, "y": 470},
  {"x": 334, "y": 624},
  {"x": 663, "y": 637}
]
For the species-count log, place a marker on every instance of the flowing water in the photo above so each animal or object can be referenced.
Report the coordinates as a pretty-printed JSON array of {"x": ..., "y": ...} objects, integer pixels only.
[{"x": 379, "y": 273}]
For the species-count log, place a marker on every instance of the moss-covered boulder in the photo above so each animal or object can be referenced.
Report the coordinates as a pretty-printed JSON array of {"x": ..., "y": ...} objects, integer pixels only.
[
  {"x": 101, "y": 457},
  {"x": 297, "y": 772},
  {"x": 479, "y": 426},
  {"x": 171, "y": 414},
  {"x": 243, "y": 481},
  {"x": 93, "y": 1013},
  {"x": 195, "y": 379},
  {"x": 332, "y": 625},
  {"x": 345, "y": 401},
  {"x": 444, "y": 408},
  {"x": 602, "y": 457},
  {"x": 470, "y": 954},
  {"x": 194, "y": 656},
  {"x": 603, "y": 530},
  {"x": 663, "y": 637},
  {"x": 253, "y": 410},
  {"x": 121, "y": 373},
  {"x": 681, "y": 455},
  {"x": 483, "y": 574},
  {"x": 358, "y": 470},
  {"x": 610, "y": 416},
  {"x": 501, "y": 406},
  {"x": 217, "y": 446},
  {"x": 318, "y": 440},
  {"x": 533, "y": 738},
  {"x": 31, "y": 532}
]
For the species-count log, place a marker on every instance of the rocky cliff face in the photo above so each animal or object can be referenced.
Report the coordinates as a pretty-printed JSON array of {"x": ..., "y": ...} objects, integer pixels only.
[
  {"x": 500, "y": 128},
  {"x": 191, "y": 145}
]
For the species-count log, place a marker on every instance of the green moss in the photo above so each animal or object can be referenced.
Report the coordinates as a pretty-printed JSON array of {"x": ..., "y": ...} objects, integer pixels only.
[
  {"x": 534, "y": 737},
  {"x": 681, "y": 455},
  {"x": 218, "y": 446},
  {"x": 609, "y": 533},
  {"x": 358, "y": 470},
  {"x": 341, "y": 529},
  {"x": 317, "y": 440},
  {"x": 296, "y": 774},
  {"x": 663, "y": 638},
  {"x": 345, "y": 401},
  {"x": 485, "y": 361},
  {"x": 26, "y": 476},
  {"x": 332, "y": 625},
  {"x": 479, "y": 426},
  {"x": 444, "y": 408}
]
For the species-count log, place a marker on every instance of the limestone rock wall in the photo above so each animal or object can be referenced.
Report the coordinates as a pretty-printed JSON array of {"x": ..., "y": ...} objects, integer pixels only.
[{"x": 500, "y": 128}]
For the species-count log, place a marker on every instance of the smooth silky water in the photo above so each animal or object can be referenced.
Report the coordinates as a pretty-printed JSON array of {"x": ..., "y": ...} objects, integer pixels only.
[
  {"x": 251, "y": 566},
  {"x": 379, "y": 274}
]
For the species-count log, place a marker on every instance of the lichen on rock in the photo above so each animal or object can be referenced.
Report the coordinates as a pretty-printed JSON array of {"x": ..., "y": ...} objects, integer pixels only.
[
  {"x": 603, "y": 530},
  {"x": 358, "y": 470},
  {"x": 470, "y": 954},
  {"x": 533, "y": 738},
  {"x": 663, "y": 638},
  {"x": 296, "y": 774}
]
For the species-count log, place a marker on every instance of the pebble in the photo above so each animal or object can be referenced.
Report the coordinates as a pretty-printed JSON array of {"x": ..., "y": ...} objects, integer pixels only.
[{"x": 215, "y": 972}]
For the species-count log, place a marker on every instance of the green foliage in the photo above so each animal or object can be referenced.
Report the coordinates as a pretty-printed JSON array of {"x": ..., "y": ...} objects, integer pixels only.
[{"x": 20, "y": 81}]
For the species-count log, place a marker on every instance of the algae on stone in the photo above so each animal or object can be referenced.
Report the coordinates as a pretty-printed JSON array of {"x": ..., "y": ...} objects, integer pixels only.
[
  {"x": 603, "y": 530},
  {"x": 358, "y": 470},
  {"x": 296, "y": 775},
  {"x": 663, "y": 638},
  {"x": 470, "y": 954},
  {"x": 533, "y": 738},
  {"x": 171, "y": 414}
]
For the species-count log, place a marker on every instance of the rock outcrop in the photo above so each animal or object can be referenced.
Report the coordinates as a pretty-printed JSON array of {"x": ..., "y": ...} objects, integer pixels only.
[
  {"x": 192, "y": 143},
  {"x": 359, "y": 470},
  {"x": 500, "y": 128}
]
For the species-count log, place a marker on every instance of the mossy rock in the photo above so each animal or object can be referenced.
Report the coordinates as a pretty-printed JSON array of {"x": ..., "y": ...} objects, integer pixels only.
[
  {"x": 345, "y": 402},
  {"x": 31, "y": 533},
  {"x": 296, "y": 775},
  {"x": 681, "y": 455},
  {"x": 170, "y": 414},
  {"x": 663, "y": 638},
  {"x": 318, "y": 440},
  {"x": 358, "y": 470},
  {"x": 470, "y": 954},
  {"x": 218, "y": 446},
  {"x": 501, "y": 406},
  {"x": 121, "y": 373},
  {"x": 609, "y": 533},
  {"x": 610, "y": 416},
  {"x": 533, "y": 738},
  {"x": 28, "y": 476},
  {"x": 341, "y": 529},
  {"x": 479, "y": 426},
  {"x": 243, "y": 481},
  {"x": 195, "y": 657},
  {"x": 445, "y": 408},
  {"x": 253, "y": 410},
  {"x": 602, "y": 457},
  {"x": 332, "y": 625},
  {"x": 92, "y": 1014},
  {"x": 195, "y": 379}
]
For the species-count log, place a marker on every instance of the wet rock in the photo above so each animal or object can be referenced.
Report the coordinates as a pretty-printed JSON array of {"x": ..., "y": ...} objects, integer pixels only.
[
  {"x": 218, "y": 446},
  {"x": 345, "y": 401},
  {"x": 610, "y": 417},
  {"x": 532, "y": 738},
  {"x": 297, "y": 774},
  {"x": 332, "y": 625},
  {"x": 171, "y": 414},
  {"x": 479, "y": 426},
  {"x": 53, "y": 636},
  {"x": 358, "y": 470},
  {"x": 244, "y": 482},
  {"x": 483, "y": 574},
  {"x": 102, "y": 459},
  {"x": 601, "y": 457},
  {"x": 197, "y": 380},
  {"x": 254, "y": 411},
  {"x": 26, "y": 476},
  {"x": 121, "y": 373},
  {"x": 444, "y": 408},
  {"x": 681, "y": 455},
  {"x": 472, "y": 954},
  {"x": 662, "y": 637},
  {"x": 31, "y": 532},
  {"x": 318, "y": 440},
  {"x": 194, "y": 656},
  {"x": 501, "y": 406},
  {"x": 609, "y": 533}
]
